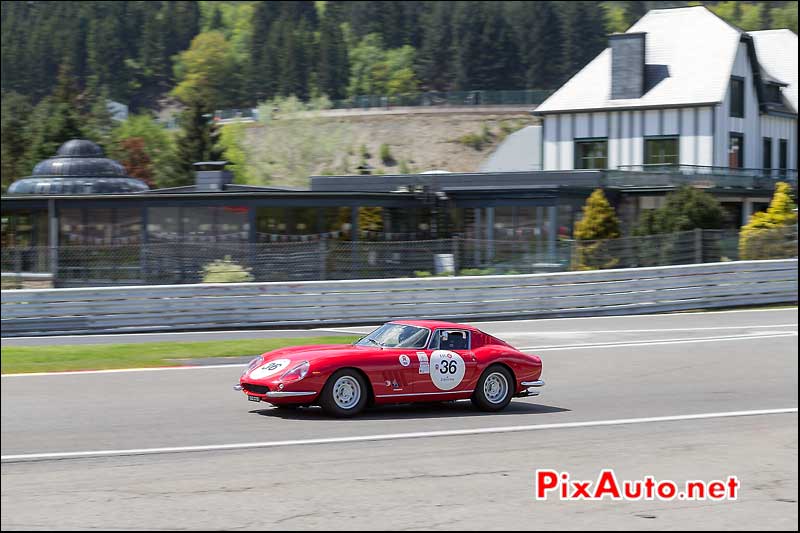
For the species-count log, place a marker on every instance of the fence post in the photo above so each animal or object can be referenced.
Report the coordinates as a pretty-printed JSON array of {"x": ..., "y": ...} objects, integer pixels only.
[
  {"x": 323, "y": 258},
  {"x": 53, "y": 238},
  {"x": 698, "y": 245},
  {"x": 455, "y": 255}
]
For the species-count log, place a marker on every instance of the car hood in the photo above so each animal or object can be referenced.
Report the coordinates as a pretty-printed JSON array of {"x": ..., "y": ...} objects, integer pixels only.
[{"x": 276, "y": 362}]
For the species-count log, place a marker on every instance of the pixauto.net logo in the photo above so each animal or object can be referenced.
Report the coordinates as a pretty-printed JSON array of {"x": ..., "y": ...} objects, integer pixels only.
[{"x": 549, "y": 483}]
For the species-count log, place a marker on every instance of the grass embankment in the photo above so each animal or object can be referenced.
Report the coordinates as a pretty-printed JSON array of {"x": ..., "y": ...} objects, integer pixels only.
[{"x": 16, "y": 359}]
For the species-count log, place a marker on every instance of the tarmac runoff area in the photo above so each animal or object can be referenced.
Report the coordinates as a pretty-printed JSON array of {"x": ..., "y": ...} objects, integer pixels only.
[{"x": 682, "y": 397}]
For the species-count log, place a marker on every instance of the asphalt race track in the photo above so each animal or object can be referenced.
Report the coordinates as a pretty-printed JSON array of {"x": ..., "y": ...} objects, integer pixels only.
[{"x": 86, "y": 450}]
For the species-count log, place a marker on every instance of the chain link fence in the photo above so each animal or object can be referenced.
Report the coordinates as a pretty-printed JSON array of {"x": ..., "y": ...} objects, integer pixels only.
[{"x": 327, "y": 259}]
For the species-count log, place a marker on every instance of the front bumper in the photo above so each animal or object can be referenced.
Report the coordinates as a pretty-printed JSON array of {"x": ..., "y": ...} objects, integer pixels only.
[
  {"x": 531, "y": 388},
  {"x": 279, "y": 394}
]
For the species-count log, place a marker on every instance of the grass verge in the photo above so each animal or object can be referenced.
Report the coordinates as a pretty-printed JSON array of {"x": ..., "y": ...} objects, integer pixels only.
[{"x": 16, "y": 359}]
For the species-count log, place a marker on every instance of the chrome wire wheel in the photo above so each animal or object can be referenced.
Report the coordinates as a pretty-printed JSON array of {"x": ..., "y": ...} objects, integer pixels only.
[
  {"x": 495, "y": 388},
  {"x": 346, "y": 392}
]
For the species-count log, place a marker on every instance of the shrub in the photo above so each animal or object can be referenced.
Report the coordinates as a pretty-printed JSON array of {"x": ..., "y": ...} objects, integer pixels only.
[
  {"x": 422, "y": 274},
  {"x": 225, "y": 271},
  {"x": 770, "y": 234},
  {"x": 593, "y": 232},
  {"x": 386, "y": 155},
  {"x": 476, "y": 272},
  {"x": 477, "y": 140}
]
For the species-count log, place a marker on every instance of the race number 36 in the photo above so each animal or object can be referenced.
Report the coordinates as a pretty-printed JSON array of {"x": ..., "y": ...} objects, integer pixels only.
[{"x": 447, "y": 369}]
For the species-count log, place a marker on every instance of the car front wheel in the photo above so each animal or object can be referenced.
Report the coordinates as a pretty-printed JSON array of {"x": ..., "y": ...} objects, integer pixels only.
[
  {"x": 345, "y": 394},
  {"x": 495, "y": 389}
]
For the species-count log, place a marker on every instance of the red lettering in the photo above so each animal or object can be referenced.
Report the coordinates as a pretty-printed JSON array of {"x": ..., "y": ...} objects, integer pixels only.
[
  {"x": 667, "y": 490},
  {"x": 649, "y": 483},
  {"x": 733, "y": 484},
  {"x": 716, "y": 490},
  {"x": 546, "y": 480},
  {"x": 607, "y": 484},
  {"x": 697, "y": 487},
  {"x": 630, "y": 494},
  {"x": 581, "y": 489}
]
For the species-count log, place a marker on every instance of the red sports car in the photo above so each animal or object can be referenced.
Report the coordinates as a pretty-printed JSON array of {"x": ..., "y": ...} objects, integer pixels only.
[{"x": 400, "y": 362}]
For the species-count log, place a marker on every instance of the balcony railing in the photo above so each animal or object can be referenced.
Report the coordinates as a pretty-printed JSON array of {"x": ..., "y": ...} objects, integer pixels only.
[{"x": 698, "y": 176}]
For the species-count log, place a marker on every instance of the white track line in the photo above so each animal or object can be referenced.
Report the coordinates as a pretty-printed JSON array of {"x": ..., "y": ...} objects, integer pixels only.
[
  {"x": 120, "y": 370},
  {"x": 527, "y": 348},
  {"x": 391, "y": 436},
  {"x": 656, "y": 330},
  {"x": 660, "y": 341}
]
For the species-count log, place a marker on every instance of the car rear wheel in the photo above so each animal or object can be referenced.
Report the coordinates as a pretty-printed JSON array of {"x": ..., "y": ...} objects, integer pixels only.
[
  {"x": 345, "y": 394},
  {"x": 495, "y": 389}
]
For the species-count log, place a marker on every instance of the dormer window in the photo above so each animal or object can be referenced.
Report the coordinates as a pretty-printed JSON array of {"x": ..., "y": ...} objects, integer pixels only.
[{"x": 772, "y": 93}]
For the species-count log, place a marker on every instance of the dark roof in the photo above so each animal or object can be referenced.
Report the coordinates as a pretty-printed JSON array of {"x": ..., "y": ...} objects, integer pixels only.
[
  {"x": 79, "y": 167},
  {"x": 80, "y": 148}
]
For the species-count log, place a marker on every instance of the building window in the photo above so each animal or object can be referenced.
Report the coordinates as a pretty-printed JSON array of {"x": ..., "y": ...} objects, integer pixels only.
[
  {"x": 736, "y": 150},
  {"x": 737, "y": 97},
  {"x": 767, "y": 150},
  {"x": 591, "y": 154},
  {"x": 661, "y": 151},
  {"x": 773, "y": 93},
  {"x": 782, "y": 154}
]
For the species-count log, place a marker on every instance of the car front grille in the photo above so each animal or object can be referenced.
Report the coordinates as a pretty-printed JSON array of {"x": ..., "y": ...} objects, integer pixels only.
[{"x": 256, "y": 389}]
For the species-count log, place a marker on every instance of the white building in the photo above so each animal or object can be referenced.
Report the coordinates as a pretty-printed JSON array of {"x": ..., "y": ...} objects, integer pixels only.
[{"x": 680, "y": 87}]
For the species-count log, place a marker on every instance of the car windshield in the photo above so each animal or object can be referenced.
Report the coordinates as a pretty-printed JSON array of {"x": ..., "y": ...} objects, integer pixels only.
[{"x": 396, "y": 336}]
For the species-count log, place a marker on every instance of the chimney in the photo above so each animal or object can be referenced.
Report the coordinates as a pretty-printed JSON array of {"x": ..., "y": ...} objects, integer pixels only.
[
  {"x": 212, "y": 176},
  {"x": 627, "y": 65}
]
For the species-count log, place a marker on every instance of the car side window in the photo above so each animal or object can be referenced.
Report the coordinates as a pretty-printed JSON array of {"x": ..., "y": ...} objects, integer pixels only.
[{"x": 445, "y": 339}]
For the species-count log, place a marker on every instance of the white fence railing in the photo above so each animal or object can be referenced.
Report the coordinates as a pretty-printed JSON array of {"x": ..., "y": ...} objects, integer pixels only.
[{"x": 314, "y": 303}]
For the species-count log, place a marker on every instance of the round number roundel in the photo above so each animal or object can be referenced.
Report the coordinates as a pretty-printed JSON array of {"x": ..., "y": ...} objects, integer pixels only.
[
  {"x": 447, "y": 369},
  {"x": 269, "y": 369}
]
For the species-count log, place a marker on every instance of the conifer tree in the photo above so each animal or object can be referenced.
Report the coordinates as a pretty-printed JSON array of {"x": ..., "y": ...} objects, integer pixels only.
[
  {"x": 767, "y": 235},
  {"x": 599, "y": 223}
]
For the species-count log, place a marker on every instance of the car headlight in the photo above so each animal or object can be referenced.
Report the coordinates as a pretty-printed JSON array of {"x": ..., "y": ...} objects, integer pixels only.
[{"x": 296, "y": 373}]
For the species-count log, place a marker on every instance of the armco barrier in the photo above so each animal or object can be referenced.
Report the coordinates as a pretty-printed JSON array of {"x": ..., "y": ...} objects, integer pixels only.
[{"x": 314, "y": 303}]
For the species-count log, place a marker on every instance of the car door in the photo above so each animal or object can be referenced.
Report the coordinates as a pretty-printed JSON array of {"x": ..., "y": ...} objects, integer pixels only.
[
  {"x": 447, "y": 365},
  {"x": 399, "y": 369}
]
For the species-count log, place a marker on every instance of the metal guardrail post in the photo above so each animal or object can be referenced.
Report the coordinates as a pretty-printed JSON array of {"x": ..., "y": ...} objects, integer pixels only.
[
  {"x": 698, "y": 245},
  {"x": 53, "y": 239},
  {"x": 323, "y": 258},
  {"x": 455, "y": 254}
]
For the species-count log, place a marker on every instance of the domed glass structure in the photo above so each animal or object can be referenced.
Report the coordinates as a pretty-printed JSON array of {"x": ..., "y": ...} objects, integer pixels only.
[{"x": 79, "y": 167}]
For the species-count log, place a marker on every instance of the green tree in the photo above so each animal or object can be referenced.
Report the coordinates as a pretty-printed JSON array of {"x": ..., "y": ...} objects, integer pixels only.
[
  {"x": 771, "y": 234},
  {"x": 56, "y": 119},
  {"x": 197, "y": 141},
  {"x": 584, "y": 35},
  {"x": 785, "y": 17},
  {"x": 634, "y": 10},
  {"x": 156, "y": 143},
  {"x": 539, "y": 34},
  {"x": 14, "y": 142},
  {"x": 205, "y": 72},
  {"x": 434, "y": 61},
  {"x": 683, "y": 210},
  {"x": 231, "y": 141},
  {"x": 332, "y": 61},
  {"x": 592, "y": 233}
]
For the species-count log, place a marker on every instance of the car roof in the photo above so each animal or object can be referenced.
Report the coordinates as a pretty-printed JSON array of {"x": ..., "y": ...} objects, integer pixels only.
[{"x": 433, "y": 324}]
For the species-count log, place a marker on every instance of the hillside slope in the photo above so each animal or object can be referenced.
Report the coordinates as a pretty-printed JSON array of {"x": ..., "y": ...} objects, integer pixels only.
[{"x": 288, "y": 151}]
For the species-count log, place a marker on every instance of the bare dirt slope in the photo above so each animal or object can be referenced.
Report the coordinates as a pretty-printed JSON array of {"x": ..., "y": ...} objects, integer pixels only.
[{"x": 288, "y": 151}]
